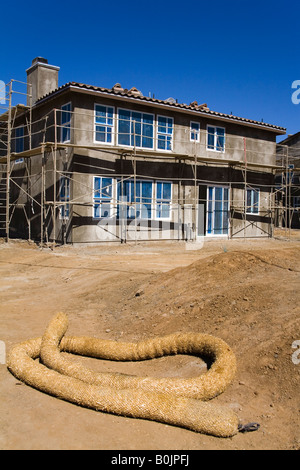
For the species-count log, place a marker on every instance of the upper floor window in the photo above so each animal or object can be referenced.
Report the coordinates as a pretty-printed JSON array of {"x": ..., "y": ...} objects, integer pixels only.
[
  {"x": 252, "y": 203},
  {"x": 104, "y": 124},
  {"x": 19, "y": 139},
  {"x": 65, "y": 121},
  {"x": 216, "y": 138},
  {"x": 195, "y": 132},
  {"x": 165, "y": 127},
  {"x": 135, "y": 129}
]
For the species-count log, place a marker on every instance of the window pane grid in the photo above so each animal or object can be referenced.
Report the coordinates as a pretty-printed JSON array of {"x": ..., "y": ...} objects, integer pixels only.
[
  {"x": 252, "y": 201},
  {"x": 163, "y": 200},
  {"x": 102, "y": 197},
  {"x": 195, "y": 132},
  {"x": 218, "y": 211},
  {"x": 104, "y": 122},
  {"x": 145, "y": 200},
  {"x": 216, "y": 138},
  {"x": 64, "y": 196},
  {"x": 135, "y": 129},
  {"x": 164, "y": 133}
]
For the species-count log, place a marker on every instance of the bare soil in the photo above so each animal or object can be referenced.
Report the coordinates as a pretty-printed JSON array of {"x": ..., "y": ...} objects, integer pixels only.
[{"x": 245, "y": 292}]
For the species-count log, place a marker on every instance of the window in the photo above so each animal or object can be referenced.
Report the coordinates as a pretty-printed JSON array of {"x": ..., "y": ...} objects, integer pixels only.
[
  {"x": 145, "y": 198},
  {"x": 163, "y": 200},
  {"x": 195, "y": 132},
  {"x": 217, "y": 210},
  {"x": 104, "y": 124},
  {"x": 164, "y": 133},
  {"x": 19, "y": 140},
  {"x": 216, "y": 138},
  {"x": 141, "y": 194},
  {"x": 64, "y": 196},
  {"x": 252, "y": 203},
  {"x": 65, "y": 129},
  {"x": 102, "y": 197},
  {"x": 135, "y": 129}
]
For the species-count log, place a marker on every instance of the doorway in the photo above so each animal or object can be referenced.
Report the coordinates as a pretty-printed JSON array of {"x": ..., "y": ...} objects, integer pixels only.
[{"x": 217, "y": 210}]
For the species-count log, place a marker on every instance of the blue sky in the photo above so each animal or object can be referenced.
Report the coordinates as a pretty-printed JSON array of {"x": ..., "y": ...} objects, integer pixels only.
[{"x": 238, "y": 56}]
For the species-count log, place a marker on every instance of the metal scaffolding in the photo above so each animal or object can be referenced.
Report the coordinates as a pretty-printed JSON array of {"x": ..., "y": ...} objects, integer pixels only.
[{"x": 7, "y": 128}]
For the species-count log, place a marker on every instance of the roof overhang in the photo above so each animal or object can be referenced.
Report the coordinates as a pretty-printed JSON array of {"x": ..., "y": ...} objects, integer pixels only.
[
  {"x": 206, "y": 114},
  {"x": 152, "y": 102}
]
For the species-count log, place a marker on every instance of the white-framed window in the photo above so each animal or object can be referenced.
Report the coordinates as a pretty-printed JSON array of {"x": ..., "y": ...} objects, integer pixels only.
[
  {"x": 216, "y": 138},
  {"x": 138, "y": 197},
  {"x": 103, "y": 197},
  {"x": 252, "y": 201},
  {"x": 104, "y": 124},
  {"x": 19, "y": 139},
  {"x": 163, "y": 200},
  {"x": 65, "y": 122},
  {"x": 135, "y": 129},
  {"x": 64, "y": 196},
  {"x": 165, "y": 130},
  {"x": 194, "y": 131},
  {"x": 146, "y": 199},
  {"x": 217, "y": 210}
]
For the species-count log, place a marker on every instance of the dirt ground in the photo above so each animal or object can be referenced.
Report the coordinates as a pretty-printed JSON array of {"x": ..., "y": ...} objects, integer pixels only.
[{"x": 245, "y": 292}]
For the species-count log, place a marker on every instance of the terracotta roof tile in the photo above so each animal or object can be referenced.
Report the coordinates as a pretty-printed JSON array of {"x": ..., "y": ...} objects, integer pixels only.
[{"x": 136, "y": 94}]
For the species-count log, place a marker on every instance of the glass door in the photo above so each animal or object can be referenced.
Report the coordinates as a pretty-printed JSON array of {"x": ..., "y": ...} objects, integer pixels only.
[{"x": 217, "y": 210}]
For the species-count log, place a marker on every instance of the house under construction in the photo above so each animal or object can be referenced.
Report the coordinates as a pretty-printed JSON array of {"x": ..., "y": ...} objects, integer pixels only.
[{"x": 86, "y": 164}]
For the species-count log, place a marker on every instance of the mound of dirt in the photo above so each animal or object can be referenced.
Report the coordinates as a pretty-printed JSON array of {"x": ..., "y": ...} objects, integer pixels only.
[
  {"x": 249, "y": 299},
  {"x": 245, "y": 293}
]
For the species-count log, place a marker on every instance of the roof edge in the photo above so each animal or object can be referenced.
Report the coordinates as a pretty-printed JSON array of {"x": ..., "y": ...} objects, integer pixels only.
[{"x": 193, "y": 107}]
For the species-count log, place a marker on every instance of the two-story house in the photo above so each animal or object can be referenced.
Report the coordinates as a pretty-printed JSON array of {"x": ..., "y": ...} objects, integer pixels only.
[{"x": 93, "y": 164}]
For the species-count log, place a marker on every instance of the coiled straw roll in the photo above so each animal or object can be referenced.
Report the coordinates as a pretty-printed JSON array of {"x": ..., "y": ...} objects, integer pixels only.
[{"x": 174, "y": 401}]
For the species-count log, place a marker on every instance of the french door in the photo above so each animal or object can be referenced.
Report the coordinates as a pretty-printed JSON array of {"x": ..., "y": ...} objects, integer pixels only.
[{"x": 217, "y": 210}]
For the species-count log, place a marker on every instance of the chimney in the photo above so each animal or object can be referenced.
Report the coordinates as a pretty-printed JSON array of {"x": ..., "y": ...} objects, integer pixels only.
[{"x": 43, "y": 79}]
